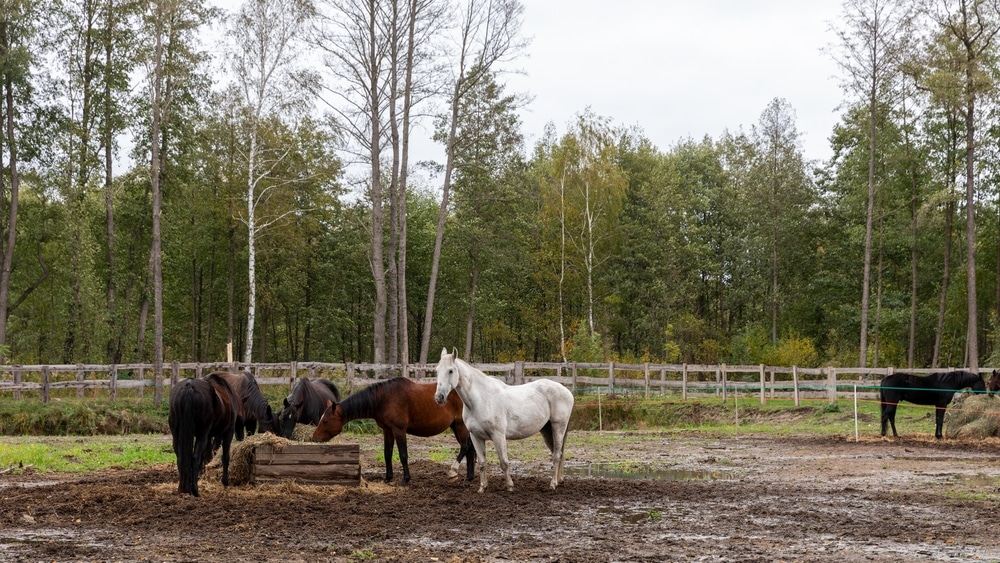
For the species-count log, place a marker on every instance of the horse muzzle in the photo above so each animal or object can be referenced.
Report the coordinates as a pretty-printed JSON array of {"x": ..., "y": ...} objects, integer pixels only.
[{"x": 439, "y": 398}]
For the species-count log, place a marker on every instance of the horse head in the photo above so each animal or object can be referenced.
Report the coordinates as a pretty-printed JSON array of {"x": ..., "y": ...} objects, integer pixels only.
[
  {"x": 447, "y": 376},
  {"x": 288, "y": 417},
  {"x": 269, "y": 423},
  {"x": 993, "y": 385},
  {"x": 330, "y": 424}
]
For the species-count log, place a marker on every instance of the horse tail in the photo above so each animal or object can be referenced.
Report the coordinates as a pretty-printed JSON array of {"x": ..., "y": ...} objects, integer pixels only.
[{"x": 184, "y": 428}]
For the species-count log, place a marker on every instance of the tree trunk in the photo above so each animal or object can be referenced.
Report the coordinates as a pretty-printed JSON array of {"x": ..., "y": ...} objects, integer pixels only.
[
  {"x": 442, "y": 218},
  {"x": 471, "y": 316},
  {"x": 972, "y": 333},
  {"x": 869, "y": 218},
  {"x": 15, "y": 183},
  {"x": 251, "y": 250}
]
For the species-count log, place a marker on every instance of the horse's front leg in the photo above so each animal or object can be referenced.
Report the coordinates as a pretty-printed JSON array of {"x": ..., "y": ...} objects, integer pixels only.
[
  {"x": 500, "y": 441},
  {"x": 387, "y": 442},
  {"x": 939, "y": 421}
]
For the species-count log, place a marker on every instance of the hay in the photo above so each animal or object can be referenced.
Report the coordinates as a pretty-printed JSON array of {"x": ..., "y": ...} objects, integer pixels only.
[
  {"x": 975, "y": 417},
  {"x": 241, "y": 453}
]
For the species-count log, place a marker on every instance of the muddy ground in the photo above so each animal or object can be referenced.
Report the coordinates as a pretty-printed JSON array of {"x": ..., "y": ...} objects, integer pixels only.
[{"x": 731, "y": 498}]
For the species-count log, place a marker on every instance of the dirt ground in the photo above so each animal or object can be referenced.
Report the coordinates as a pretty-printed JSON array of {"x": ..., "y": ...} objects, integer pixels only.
[{"x": 679, "y": 498}]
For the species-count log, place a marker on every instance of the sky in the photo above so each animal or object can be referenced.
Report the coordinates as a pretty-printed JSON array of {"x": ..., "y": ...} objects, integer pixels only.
[
  {"x": 681, "y": 69},
  {"x": 676, "y": 69}
]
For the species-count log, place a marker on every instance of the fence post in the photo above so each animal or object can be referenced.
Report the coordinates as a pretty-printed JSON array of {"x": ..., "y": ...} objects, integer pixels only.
[
  {"x": 573, "y": 368},
  {"x": 772, "y": 383},
  {"x": 198, "y": 371},
  {"x": 113, "y": 387},
  {"x": 350, "y": 378},
  {"x": 175, "y": 372},
  {"x": 17, "y": 384},
  {"x": 79, "y": 380},
  {"x": 663, "y": 381},
  {"x": 294, "y": 369},
  {"x": 831, "y": 377},
  {"x": 646, "y": 377},
  {"x": 762, "y": 399},
  {"x": 611, "y": 376},
  {"x": 45, "y": 384},
  {"x": 684, "y": 382},
  {"x": 518, "y": 373},
  {"x": 795, "y": 384},
  {"x": 721, "y": 373}
]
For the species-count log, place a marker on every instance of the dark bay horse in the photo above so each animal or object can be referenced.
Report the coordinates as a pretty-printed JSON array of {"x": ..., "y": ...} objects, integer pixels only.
[
  {"x": 993, "y": 385},
  {"x": 202, "y": 419},
  {"x": 935, "y": 389},
  {"x": 401, "y": 406},
  {"x": 255, "y": 413},
  {"x": 305, "y": 404}
]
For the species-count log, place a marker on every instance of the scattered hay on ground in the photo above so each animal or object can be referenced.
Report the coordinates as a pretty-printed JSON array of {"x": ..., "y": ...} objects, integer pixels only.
[{"x": 977, "y": 417}]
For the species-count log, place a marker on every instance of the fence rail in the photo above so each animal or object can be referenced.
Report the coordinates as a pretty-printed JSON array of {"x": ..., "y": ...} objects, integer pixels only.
[{"x": 698, "y": 379}]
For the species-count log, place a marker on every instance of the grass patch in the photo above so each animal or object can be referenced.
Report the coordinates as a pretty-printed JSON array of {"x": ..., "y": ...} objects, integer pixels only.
[{"x": 83, "y": 455}]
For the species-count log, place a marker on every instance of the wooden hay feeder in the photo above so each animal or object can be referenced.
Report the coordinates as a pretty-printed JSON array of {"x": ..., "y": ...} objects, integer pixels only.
[{"x": 309, "y": 464}]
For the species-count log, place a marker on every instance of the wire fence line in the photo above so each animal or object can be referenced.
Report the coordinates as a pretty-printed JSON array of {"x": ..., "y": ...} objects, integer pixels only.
[{"x": 30, "y": 381}]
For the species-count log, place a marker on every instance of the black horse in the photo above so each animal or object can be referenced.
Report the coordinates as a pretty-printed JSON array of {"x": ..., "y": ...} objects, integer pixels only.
[
  {"x": 202, "y": 419},
  {"x": 255, "y": 413},
  {"x": 935, "y": 389},
  {"x": 306, "y": 403}
]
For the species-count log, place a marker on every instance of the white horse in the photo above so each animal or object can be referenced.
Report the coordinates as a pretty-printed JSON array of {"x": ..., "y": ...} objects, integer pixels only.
[{"x": 500, "y": 412}]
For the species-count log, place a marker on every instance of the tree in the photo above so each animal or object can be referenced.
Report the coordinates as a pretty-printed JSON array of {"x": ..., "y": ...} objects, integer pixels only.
[
  {"x": 870, "y": 59},
  {"x": 266, "y": 34},
  {"x": 974, "y": 25},
  {"x": 17, "y": 30},
  {"x": 487, "y": 36}
]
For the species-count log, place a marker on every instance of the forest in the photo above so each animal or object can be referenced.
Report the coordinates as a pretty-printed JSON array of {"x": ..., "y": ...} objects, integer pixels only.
[{"x": 163, "y": 195}]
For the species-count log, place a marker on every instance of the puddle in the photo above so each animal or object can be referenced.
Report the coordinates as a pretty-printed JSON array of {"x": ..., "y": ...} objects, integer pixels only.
[
  {"x": 979, "y": 480},
  {"x": 619, "y": 471}
]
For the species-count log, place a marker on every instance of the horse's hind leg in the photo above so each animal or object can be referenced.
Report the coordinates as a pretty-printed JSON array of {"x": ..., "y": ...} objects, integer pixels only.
[
  {"x": 548, "y": 434},
  {"x": 227, "y": 441},
  {"x": 889, "y": 417},
  {"x": 939, "y": 421},
  {"x": 403, "y": 457}
]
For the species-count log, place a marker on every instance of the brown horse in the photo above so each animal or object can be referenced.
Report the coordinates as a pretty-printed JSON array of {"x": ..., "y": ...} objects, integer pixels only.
[
  {"x": 993, "y": 385},
  {"x": 305, "y": 404},
  {"x": 400, "y": 406},
  {"x": 202, "y": 419}
]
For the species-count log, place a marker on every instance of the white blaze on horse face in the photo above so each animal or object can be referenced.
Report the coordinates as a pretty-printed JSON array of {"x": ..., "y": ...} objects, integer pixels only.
[{"x": 446, "y": 377}]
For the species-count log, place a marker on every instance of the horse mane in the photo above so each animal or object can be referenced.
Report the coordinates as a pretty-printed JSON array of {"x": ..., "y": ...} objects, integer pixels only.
[
  {"x": 363, "y": 402},
  {"x": 960, "y": 379}
]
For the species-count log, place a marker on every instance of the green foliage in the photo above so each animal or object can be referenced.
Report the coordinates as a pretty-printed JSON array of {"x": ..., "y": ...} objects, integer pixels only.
[
  {"x": 81, "y": 417},
  {"x": 585, "y": 347}
]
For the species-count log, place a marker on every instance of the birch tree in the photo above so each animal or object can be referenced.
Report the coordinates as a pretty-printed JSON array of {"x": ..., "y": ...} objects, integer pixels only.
[{"x": 266, "y": 64}]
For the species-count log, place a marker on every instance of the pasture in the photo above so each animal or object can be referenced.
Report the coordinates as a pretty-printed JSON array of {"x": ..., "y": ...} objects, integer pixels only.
[{"x": 719, "y": 496}]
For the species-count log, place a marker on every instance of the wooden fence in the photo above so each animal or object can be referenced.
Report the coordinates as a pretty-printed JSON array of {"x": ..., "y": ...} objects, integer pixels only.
[{"x": 21, "y": 381}]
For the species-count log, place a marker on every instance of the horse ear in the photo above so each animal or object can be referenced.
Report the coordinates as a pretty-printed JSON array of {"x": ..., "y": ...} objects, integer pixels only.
[
  {"x": 286, "y": 403},
  {"x": 444, "y": 353},
  {"x": 454, "y": 352},
  {"x": 329, "y": 404}
]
